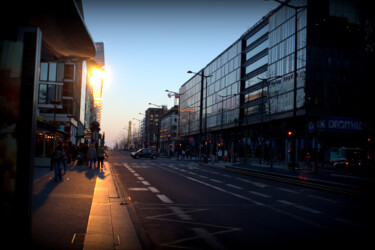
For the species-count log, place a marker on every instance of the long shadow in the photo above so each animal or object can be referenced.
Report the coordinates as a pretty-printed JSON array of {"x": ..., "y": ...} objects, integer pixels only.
[{"x": 40, "y": 198}]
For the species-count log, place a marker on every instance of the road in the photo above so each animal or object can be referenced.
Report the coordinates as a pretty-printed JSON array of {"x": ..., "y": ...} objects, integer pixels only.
[{"x": 179, "y": 204}]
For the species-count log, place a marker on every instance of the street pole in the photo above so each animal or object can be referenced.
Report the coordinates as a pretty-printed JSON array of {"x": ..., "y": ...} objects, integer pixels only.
[{"x": 294, "y": 135}]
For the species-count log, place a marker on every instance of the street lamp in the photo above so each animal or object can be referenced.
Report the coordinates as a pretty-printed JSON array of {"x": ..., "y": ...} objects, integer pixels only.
[
  {"x": 204, "y": 77},
  {"x": 296, "y": 8},
  {"x": 267, "y": 80},
  {"x": 175, "y": 94}
]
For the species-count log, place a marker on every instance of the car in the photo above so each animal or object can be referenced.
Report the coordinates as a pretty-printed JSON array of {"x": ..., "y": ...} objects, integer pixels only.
[{"x": 144, "y": 153}]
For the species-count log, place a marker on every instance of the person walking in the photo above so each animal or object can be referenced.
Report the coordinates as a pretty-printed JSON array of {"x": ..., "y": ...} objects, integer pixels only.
[
  {"x": 57, "y": 158},
  {"x": 100, "y": 154},
  {"x": 91, "y": 155}
]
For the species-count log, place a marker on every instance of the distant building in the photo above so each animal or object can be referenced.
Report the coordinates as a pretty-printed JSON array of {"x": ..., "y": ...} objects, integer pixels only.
[
  {"x": 168, "y": 130},
  {"x": 152, "y": 128}
]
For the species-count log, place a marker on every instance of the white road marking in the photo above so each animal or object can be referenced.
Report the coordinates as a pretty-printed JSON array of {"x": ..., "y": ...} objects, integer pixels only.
[
  {"x": 286, "y": 203},
  {"x": 307, "y": 209},
  {"x": 260, "y": 194},
  {"x": 180, "y": 213},
  {"x": 258, "y": 184},
  {"x": 164, "y": 198},
  {"x": 288, "y": 190},
  {"x": 280, "y": 211},
  {"x": 153, "y": 189},
  {"x": 311, "y": 210},
  {"x": 138, "y": 189},
  {"x": 234, "y": 186},
  {"x": 146, "y": 183},
  {"x": 140, "y": 178},
  {"x": 214, "y": 180},
  {"x": 208, "y": 238},
  {"x": 349, "y": 222},
  {"x": 322, "y": 198}
]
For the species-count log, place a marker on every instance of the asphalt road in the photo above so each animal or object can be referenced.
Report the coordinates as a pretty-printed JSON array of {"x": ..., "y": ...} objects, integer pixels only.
[{"x": 179, "y": 204}]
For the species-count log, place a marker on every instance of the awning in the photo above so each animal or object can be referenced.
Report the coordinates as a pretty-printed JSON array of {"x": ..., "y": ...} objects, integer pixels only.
[{"x": 64, "y": 32}]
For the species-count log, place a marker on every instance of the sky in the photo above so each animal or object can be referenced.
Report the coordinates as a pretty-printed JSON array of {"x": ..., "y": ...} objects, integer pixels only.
[{"x": 149, "y": 45}]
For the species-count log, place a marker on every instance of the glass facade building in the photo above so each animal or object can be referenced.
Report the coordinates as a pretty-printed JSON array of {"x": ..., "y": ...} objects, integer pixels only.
[{"x": 293, "y": 70}]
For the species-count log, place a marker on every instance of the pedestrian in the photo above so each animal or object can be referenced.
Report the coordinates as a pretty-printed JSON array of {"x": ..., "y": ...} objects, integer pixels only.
[
  {"x": 100, "y": 154},
  {"x": 57, "y": 158},
  {"x": 91, "y": 155},
  {"x": 307, "y": 159},
  {"x": 65, "y": 160}
]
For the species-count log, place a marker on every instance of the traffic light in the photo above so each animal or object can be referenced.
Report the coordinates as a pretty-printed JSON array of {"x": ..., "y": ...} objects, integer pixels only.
[{"x": 290, "y": 133}]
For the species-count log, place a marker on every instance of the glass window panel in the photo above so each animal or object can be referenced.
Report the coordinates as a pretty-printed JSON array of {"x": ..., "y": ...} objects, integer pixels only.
[
  {"x": 52, "y": 72},
  {"x": 42, "y": 93},
  {"x": 43, "y": 71},
  {"x": 50, "y": 93},
  {"x": 262, "y": 61},
  {"x": 257, "y": 35}
]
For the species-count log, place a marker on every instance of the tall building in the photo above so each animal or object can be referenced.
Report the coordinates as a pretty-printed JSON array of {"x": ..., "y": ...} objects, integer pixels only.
[
  {"x": 295, "y": 82},
  {"x": 43, "y": 47},
  {"x": 152, "y": 126},
  {"x": 96, "y": 78}
]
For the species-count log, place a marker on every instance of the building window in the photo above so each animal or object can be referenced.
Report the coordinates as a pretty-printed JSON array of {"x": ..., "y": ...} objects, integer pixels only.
[{"x": 51, "y": 82}]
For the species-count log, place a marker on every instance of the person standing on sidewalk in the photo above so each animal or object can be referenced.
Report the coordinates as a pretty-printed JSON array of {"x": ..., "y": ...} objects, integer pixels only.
[
  {"x": 100, "y": 154},
  {"x": 91, "y": 154},
  {"x": 57, "y": 158}
]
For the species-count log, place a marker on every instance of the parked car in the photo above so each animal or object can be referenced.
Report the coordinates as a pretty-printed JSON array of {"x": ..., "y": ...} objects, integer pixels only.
[{"x": 144, "y": 153}]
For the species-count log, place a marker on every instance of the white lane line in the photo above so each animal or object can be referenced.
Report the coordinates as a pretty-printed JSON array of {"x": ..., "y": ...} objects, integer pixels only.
[
  {"x": 322, "y": 198},
  {"x": 260, "y": 194},
  {"x": 204, "y": 177},
  {"x": 164, "y": 198},
  {"x": 138, "y": 189},
  {"x": 348, "y": 222},
  {"x": 180, "y": 213},
  {"x": 135, "y": 174},
  {"x": 210, "y": 239},
  {"x": 286, "y": 203},
  {"x": 214, "y": 180},
  {"x": 258, "y": 184},
  {"x": 288, "y": 190},
  {"x": 234, "y": 186},
  {"x": 146, "y": 183},
  {"x": 311, "y": 210},
  {"x": 140, "y": 178},
  {"x": 307, "y": 209},
  {"x": 154, "y": 190},
  {"x": 275, "y": 209}
]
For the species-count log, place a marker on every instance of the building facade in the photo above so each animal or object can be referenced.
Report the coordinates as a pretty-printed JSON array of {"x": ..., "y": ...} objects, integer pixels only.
[
  {"x": 152, "y": 126},
  {"x": 168, "y": 131},
  {"x": 293, "y": 83}
]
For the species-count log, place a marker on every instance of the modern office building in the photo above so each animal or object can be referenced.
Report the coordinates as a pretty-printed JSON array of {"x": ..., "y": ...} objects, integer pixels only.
[{"x": 295, "y": 82}]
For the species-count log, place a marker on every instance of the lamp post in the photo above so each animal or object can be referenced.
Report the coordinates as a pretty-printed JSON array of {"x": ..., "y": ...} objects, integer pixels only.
[
  {"x": 296, "y": 8},
  {"x": 267, "y": 80},
  {"x": 175, "y": 94},
  {"x": 204, "y": 77},
  {"x": 222, "y": 112}
]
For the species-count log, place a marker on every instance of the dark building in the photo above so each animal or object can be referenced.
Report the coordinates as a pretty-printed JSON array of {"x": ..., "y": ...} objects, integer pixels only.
[
  {"x": 152, "y": 126},
  {"x": 263, "y": 97}
]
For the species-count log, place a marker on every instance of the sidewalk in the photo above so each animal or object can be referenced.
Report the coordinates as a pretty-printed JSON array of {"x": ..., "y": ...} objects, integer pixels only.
[{"x": 82, "y": 211}]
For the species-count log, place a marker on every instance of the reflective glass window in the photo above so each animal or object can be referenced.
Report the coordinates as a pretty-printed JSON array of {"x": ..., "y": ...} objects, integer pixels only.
[
  {"x": 43, "y": 71},
  {"x": 52, "y": 72}
]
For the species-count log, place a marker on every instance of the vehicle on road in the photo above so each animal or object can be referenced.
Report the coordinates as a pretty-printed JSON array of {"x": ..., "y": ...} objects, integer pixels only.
[{"x": 144, "y": 153}]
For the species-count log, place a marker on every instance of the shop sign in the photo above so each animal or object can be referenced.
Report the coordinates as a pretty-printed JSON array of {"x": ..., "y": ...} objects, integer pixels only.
[{"x": 337, "y": 124}]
